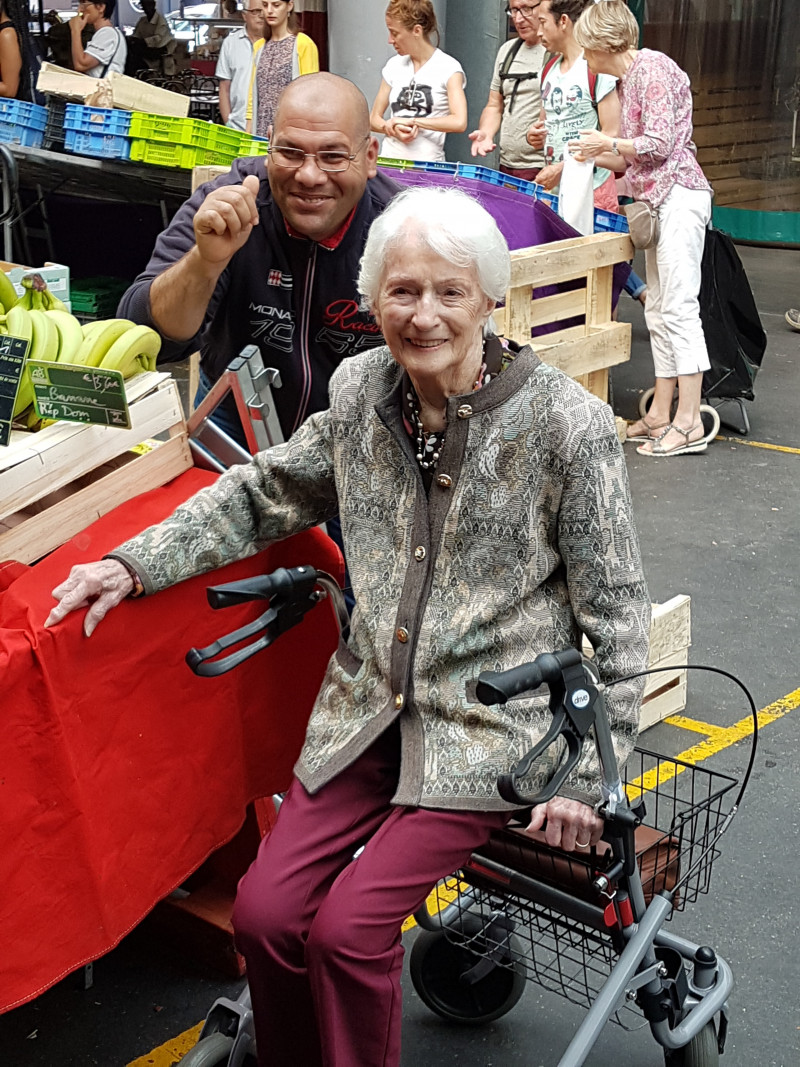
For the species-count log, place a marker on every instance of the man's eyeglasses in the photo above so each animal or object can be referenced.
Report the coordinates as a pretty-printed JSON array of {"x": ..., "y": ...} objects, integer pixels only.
[
  {"x": 330, "y": 162},
  {"x": 522, "y": 12}
]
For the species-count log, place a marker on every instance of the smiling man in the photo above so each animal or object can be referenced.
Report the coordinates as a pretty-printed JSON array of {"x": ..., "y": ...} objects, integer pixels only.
[{"x": 268, "y": 254}]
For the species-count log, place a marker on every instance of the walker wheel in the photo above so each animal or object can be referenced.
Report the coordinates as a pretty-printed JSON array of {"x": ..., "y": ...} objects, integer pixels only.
[
  {"x": 211, "y": 1051},
  {"x": 437, "y": 964},
  {"x": 702, "y": 1051}
]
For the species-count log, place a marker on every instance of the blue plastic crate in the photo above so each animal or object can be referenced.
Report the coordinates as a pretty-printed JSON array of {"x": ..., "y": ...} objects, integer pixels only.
[
  {"x": 12, "y": 133},
  {"x": 96, "y": 120},
  {"x": 21, "y": 113},
  {"x": 101, "y": 145}
]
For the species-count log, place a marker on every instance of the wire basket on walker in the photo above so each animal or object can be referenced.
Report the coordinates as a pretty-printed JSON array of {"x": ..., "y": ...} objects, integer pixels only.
[{"x": 587, "y": 925}]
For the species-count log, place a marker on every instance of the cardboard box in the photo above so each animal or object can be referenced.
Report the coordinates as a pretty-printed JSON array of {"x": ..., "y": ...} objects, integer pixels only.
[
  {"x": 117, "y": 90},
  {"x": 55, "y": 275}
]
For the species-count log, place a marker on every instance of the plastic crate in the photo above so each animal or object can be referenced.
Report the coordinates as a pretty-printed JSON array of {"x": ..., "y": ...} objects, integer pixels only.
[
  {"x": 253, "y": 146},
  {"x": 21, "y": 113},
  {"x": 97, "y": 296},
  {"x": 175, "y": 155},
  {"x": 190, "y": 132},
  {"x": 54, "y": 130},
  {"x": 96, "y": 119},
  {"x": 99, "y": 145},
  {"x": 12, "y": 133}
]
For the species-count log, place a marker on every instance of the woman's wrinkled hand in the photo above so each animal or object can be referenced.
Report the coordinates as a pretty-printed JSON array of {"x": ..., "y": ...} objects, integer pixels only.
[
  {"x": 591, "y": 143},
  {"x": 225, "y": 220},
  {"x": 99, "y": 586},
  {"x": 571, "y": 825}
]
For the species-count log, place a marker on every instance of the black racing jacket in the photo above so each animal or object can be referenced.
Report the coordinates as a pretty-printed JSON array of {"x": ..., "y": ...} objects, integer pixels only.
[{"x": 294, "y": 298}]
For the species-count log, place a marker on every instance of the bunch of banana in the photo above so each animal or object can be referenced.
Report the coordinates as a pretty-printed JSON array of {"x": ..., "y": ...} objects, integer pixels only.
[
  {"x": 37, "y": 297},
  {"x": 17, "y": 323},
  {"x": 8, "y": 294},
  {"x": 133, "y": 351},
  {"x": 98, "y": 337}
]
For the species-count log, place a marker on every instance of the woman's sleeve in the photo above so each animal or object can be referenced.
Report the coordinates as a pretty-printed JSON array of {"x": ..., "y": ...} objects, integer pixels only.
[
  {"x": 252, "y": 95},
  {"x": 307, "y": 54},
  {"x": 607, "y": 589},
  {"x": 284, "y": 490},
  {"x": 656, "y": 93}
]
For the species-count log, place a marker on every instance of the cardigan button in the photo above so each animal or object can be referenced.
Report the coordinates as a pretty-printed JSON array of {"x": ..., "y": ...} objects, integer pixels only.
[
  {"x": 444, "y": 481},
  {"x": 419, "y": 554},
  {"x": 402, "y": 635},
  {"x": 464, "y": 411},
  {"x": 399, "y": 701}
]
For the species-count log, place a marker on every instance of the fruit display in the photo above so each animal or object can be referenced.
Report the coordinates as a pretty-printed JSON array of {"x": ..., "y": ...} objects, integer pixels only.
[{"x": 56, "y": 336}]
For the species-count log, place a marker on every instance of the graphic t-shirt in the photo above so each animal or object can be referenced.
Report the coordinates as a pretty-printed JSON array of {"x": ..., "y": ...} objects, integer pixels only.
[
  {"x": 109, "y": 49},
  {"x": 568, "y": 108},
  {"x": 419, "y": 94}
]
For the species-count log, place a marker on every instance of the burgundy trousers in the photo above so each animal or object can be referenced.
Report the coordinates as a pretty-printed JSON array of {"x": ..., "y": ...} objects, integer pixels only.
[{"x": 321, "y": 932}]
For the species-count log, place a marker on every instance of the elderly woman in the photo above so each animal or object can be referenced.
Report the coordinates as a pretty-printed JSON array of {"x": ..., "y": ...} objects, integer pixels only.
[
  {"x": 656, "y": 141},
  {"x": 486, "y": 518}
]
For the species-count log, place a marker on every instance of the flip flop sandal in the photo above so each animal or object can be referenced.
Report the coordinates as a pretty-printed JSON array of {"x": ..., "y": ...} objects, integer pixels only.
[
  {"x": 653, "y": 433},
  {"x": 700, "y": 445}
]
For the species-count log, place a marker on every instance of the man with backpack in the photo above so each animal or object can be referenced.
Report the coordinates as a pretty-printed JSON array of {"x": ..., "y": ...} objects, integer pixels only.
[
  {"x": 573, "y": 99},
  {"x": 514, "y": 96}
]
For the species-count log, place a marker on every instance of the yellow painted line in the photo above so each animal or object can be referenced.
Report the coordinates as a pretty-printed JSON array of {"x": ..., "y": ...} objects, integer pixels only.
[
  {"x": 171, "y": 1051},
  {"x": 717, "y": 738},
  {"x": 759, "y": 444}
]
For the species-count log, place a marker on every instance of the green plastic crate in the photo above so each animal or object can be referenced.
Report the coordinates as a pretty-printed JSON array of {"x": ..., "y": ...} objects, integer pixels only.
[
  {"x": 190, "y": 132},
  {"x": 176, "y": 155},
  {"x": 253, "y": 146},
  {"x": 97, "y": 296}
]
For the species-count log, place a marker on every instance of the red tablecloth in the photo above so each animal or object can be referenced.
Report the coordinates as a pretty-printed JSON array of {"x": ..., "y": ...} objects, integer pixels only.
[{"x": 120, "y": 770}]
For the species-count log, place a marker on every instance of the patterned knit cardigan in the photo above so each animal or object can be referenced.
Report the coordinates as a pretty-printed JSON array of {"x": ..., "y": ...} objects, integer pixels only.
[{"x": 525, "y": 539}]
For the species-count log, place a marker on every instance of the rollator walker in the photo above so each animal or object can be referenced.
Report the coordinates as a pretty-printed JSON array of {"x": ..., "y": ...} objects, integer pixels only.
[{"x": 591, "y": 925}]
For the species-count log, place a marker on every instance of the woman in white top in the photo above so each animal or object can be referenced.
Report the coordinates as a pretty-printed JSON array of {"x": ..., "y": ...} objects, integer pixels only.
[
  {"x": 422, "y": 87},
  {"x": 107, "y": 49}
]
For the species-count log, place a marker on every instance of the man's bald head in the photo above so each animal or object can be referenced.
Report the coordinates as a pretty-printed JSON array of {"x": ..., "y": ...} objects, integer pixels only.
[{"x": 318, "y": 93}]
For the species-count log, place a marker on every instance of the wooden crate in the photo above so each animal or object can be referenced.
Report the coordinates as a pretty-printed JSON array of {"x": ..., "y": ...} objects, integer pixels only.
[
  {"x": 584, "y": 352},
  {"x": 670, "y": 637},
  {"x": 54, "y": 483}
]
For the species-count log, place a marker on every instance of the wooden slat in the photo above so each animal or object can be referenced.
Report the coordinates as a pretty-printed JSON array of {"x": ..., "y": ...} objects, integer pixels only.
[
  {"x": 722, "y": 170},
  {"x": 595, "y": 383},
  {"x": 561, "y": 261},
  {"x": 670, "y": 627},
  {"x": 599, "y": 293},
  {"x": 736, "y": 133},
  {"x": 32, "y": 537},
  {"x": 604, "y": 347},
  {"x": 47, "y": 468},
  {"x": 661, "y": 705},
  {"x": 558, "y": 307},
  {"x": 749, "y": 112},
  {"x": 737, "y": 153}
]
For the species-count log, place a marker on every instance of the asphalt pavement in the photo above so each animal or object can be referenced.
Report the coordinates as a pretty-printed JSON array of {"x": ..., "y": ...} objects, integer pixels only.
[{"x": 722, "y": 527}]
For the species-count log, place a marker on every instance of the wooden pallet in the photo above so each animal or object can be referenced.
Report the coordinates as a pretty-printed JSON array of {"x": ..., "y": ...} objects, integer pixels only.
[
  {"x": 55, "y": 482},
  {"x": 585, "y": 352},
  {"x": 665, "y": 693}
]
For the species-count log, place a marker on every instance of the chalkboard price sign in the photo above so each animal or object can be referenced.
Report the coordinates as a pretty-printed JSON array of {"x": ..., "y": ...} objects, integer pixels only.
[
  {"x": 79, "y": 394},
  {"x": 12, "y": 362}
]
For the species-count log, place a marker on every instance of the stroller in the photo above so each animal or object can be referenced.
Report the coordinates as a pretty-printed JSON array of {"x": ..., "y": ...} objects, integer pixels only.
[{"x": 590, "y": 926}]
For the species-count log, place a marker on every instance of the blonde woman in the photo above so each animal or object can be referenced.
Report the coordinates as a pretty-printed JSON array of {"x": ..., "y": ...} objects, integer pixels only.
[
  {"x": 283, "y": 55},
  {"x": 655, "y": 140},
  {"x": 422, "y": 87}
]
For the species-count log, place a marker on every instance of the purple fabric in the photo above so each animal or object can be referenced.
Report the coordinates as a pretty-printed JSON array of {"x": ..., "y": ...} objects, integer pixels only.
[{"x": 523, "y": 222}]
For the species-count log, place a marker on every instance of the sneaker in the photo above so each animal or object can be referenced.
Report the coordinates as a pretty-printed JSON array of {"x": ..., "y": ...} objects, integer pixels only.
[{"x": 793, "y": 318}]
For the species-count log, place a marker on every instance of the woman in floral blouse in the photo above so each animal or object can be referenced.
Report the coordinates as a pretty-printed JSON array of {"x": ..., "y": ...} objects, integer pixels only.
[
  {"x": 283, "y": 55},
  {"x": 656, "y": 141}
]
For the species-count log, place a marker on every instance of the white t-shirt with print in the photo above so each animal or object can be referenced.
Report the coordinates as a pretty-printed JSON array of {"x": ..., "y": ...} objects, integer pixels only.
[
  {"x": 568, "y": 108},
  {"x": 109, "y": 48},
  {"x": 419, "y": 94}
]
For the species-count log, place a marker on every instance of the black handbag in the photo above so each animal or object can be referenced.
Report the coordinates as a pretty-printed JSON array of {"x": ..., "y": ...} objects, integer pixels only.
[{"x": 735, "y": 338}]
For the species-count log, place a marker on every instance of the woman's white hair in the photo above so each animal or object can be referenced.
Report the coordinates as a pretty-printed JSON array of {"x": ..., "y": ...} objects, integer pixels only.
[{"x": 452, "y": 224}]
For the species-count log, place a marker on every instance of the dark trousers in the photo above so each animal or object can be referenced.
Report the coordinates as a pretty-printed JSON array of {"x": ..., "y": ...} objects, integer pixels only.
[{"x": 321, "y": 932}]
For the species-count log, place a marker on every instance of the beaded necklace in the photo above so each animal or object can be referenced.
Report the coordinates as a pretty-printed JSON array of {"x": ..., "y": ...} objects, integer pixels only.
[{"x": 429, "y": 445}]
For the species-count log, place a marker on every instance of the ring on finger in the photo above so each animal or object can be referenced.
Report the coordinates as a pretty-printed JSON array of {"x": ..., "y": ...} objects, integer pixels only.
[{"x": 583, "y": 844}]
